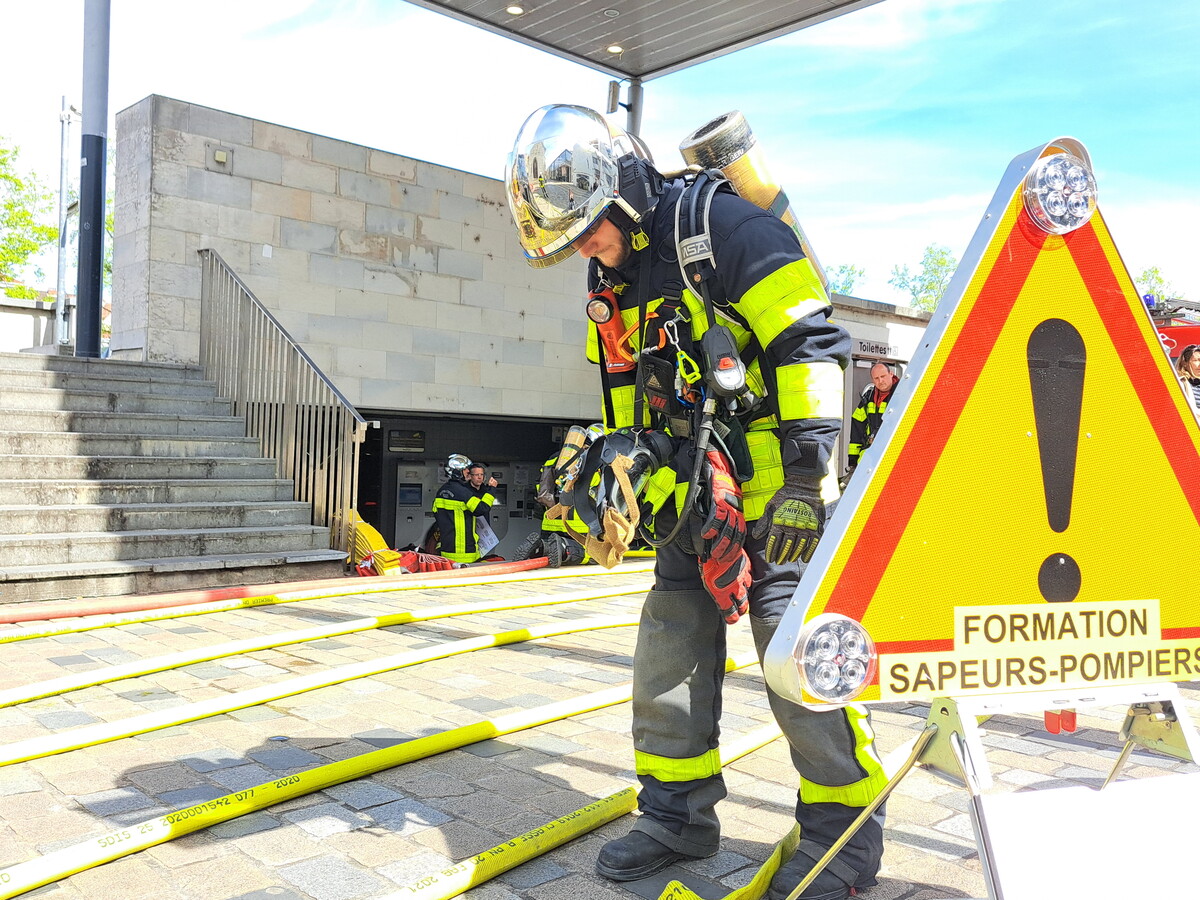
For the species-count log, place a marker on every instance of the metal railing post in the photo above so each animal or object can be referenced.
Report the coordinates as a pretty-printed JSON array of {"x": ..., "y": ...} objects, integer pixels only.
[{"x": 288, "y": 403}]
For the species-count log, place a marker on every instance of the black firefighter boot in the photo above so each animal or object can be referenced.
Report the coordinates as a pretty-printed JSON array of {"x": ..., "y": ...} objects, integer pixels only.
[
  {"x": 836, "y": 881},
  {"x": 637, "y": 855}
]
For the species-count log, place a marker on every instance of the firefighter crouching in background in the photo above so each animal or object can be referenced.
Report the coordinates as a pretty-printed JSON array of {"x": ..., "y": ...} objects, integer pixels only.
[
  {"x": 715, "y": 561},
  {"x": 553, "y": 540},
  {"x": 457, "y": 507}
]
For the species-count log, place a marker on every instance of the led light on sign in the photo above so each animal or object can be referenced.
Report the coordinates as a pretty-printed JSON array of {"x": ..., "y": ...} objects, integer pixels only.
[
  {"x": 835, "y": 657},
  {"x": 1060, "y": 193}
]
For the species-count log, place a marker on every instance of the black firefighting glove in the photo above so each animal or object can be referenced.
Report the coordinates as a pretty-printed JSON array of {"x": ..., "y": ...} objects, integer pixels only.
[
  {"x": 793, "y": 521},
  {"x": 724, "y": 565}
]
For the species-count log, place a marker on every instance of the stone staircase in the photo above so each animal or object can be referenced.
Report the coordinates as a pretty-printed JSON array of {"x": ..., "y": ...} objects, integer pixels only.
[{"x": 125, "y": 477}]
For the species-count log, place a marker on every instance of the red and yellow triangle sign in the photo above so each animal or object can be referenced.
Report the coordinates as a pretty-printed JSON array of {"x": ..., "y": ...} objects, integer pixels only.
[{"x": 1032, "y": 500}]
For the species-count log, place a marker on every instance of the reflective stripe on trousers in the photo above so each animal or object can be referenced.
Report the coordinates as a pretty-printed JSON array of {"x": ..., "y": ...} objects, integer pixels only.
[{"x": 679, "y": 666}]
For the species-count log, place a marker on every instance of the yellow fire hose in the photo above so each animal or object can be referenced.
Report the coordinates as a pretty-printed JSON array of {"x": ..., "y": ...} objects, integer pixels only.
[
  {"x": 103, "y": 732},
  {"x": 27, "y": 876},
  {"x": 80, "y": 680},
  {"x": 484, "y": 866},
  {"x": 366, "y": 586}
]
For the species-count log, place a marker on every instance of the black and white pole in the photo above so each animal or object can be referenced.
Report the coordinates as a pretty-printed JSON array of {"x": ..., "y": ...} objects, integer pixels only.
[{"x": 93, "y": 150}]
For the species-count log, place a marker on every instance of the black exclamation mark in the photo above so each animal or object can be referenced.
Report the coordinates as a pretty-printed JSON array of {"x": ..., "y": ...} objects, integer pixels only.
[{"x": 1057, "y": 359}]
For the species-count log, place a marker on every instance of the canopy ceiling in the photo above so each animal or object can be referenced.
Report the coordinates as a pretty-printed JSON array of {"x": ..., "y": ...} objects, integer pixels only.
[{"x": 656, "y": 37}]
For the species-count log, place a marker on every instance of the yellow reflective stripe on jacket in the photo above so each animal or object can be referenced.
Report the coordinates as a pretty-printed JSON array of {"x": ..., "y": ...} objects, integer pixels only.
[
  {"x": 810, "y": 391},
  {"x": 659, "y": 487},
  {"x": 768, "y": 472},
  {"x": 473, "y": 503},
  {"x": 863, "y": 791},
  {"x": 622, "y": 397},
  {"x": 787, "y": 295},
  {"x": 457, "y": 509},
  {"x": 666, "y": 769}
]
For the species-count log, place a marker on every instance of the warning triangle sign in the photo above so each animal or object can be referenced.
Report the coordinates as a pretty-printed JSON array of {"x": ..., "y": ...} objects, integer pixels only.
[{"x": 1017, "y": 524}]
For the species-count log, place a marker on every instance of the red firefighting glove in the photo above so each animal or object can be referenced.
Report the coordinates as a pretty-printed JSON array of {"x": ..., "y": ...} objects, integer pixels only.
[
  {"x": 724, "y": 565},
  {"x": 794, "y": 520}
]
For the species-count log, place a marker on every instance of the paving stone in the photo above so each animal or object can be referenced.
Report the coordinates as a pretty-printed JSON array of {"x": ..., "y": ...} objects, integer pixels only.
[
  {"x": 547, "y": 744},
  {"x": 251, "y": 823},
  {"x": 285, "y": 758},
  {"x": 112, "y": 655},
  {"x": 76, "y": 660},
  {"x": 481, "y": 704},
  {"x": 209, "y": 760},
  {"x": 489, "y": 748},
  {"x": 191, "y": 796},
  {"x": 407, "y": 816},
  {"x": 331, "y": 878},
  {"x": 326, "y": 818},
  {"x": 118, "y": 800},
  {"x": 362, "y": 794},
  {"x": 238, "y": 778},
  {"x": 382, "y": 737},
  {"x": 408, "y": 870},
  {"x": 62, "y": 719},
  {"x": 208, "y": 671},
  {"x": 535, "y": 872},
  {"x": 254, "y": 714},
  {"x": 18, "y": 783}
]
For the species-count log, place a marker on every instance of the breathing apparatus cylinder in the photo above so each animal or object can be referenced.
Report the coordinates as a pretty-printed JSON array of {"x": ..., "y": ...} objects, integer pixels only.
[
  {"x": 728, "y": 144},
  {"x": 571, "y": 454},
  {"x": 570, "y": 457}
]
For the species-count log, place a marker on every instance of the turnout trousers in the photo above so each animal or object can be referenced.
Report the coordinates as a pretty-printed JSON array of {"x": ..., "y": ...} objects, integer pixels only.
[{"x": 679, "y": 667}]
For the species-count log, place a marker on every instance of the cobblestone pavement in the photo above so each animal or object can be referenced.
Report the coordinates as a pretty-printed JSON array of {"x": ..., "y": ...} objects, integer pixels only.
[{"x": 372, "y": 837}]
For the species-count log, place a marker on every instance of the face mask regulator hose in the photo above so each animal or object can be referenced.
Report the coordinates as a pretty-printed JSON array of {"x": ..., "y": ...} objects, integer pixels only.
[{"x": 689, "y": 499}]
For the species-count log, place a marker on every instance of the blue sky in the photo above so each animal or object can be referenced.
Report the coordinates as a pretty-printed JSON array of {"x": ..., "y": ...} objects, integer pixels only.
[{"x": 889, "y": 127}]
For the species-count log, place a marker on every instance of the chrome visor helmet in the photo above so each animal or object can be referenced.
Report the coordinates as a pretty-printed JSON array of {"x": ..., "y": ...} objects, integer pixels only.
[
  {"x": 568, "y": 166},
  {"x": 457, "y": 465}
]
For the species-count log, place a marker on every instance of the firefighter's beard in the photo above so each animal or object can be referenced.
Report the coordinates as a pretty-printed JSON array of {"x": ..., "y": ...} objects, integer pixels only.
[{"x": 617, "y": 254}]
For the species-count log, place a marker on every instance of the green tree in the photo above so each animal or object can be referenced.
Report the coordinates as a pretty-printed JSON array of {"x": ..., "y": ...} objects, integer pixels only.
[
  {"x": 1151, "y": 281},
  {"x": 25, "y": 208},
  {"x": 927, "y": 286},
  {"x": 842, "y": 278}
]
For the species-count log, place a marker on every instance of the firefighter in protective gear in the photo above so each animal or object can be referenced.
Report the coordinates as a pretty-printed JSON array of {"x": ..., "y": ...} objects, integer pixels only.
[
  {"x": 456, "y": 508},
  {"x": 623, "y": 219},
  {"x": 867, "y": 418},
  {"x": 552, "y": 539}
]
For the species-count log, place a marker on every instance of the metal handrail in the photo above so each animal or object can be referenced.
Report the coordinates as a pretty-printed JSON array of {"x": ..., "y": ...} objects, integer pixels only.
[{"x": 300, "y": 418}]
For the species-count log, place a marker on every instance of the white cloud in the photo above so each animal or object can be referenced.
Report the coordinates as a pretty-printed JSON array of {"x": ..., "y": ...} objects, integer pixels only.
[{"x": 896, "y": 24}]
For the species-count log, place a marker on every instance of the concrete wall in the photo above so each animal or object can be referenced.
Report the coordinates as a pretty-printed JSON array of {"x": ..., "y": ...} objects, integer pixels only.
[
  {"x": 25, "y": 323},
  {"x": 402, "y": 279}
]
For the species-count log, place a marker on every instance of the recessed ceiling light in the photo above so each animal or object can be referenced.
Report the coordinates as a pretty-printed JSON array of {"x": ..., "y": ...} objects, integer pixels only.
[
  {"x": 514, "y": 9},
  {"x": 611, "y": 13},
  {"x": 615, "y": 48}
]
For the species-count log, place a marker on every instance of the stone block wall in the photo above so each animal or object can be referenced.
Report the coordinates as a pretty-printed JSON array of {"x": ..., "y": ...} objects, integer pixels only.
[{"x": 402, "y": 279}]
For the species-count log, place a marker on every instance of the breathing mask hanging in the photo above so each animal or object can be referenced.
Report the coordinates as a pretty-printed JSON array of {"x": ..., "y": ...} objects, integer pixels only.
[{"x": 605, "y": 492}]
